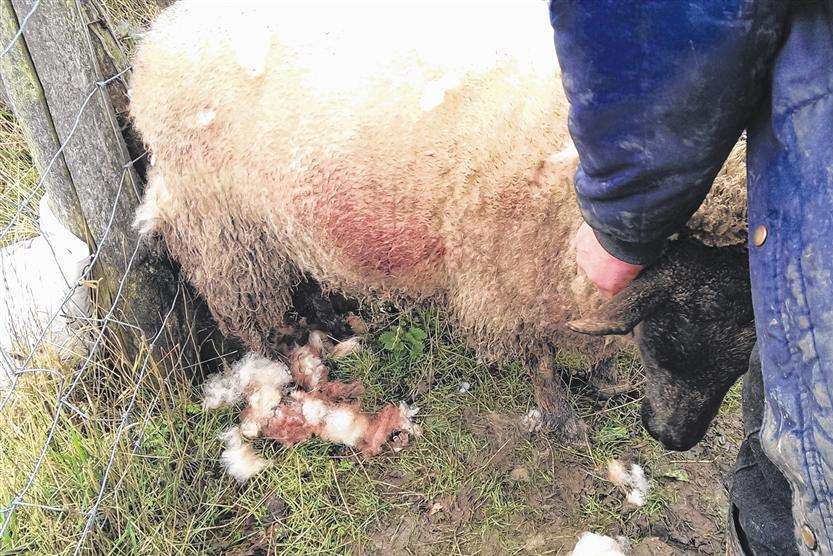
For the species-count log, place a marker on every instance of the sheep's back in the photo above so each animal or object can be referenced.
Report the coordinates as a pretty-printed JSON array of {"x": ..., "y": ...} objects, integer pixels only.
[{"x": 373, "y": 167}]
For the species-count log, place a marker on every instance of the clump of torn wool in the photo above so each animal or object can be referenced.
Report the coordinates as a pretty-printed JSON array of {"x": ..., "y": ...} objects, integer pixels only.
[
  {"x": 239, "y": 459},
  {"x": 337, "y": 390},
  {"x": 591, "y": 544},
  {"x": 318, "y": 343},
  {"x": 257, "y": 380},
  {"x": 321, "y": 346},
  {"x": 357, "y": 324},
  {"x": 633, "y": 483},
  {"x": 252, "y": 373},
  {"x": 533, "y": 421},
  {"x": 345, "y": 348},
  {"x": 307, "y": 367},
  {"x": 306, "y": 363},
  {"x": 308, "y": 414},
  {"x": 262, "y": 403},
  {"x": 316, "y": 407}
]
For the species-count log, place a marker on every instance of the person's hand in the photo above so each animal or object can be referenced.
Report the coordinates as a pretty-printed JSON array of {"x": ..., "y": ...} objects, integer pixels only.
[{"x": 608, "y": 273}]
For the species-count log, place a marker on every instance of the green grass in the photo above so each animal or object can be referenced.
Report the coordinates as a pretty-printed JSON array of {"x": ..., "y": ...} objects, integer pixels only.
[
  {"x": 167, "y": 493},
  {"x": 18, "y": 178}
]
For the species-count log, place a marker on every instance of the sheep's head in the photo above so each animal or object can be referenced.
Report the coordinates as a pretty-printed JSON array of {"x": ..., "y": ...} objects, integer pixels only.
[{"x": 691, "y": 315}]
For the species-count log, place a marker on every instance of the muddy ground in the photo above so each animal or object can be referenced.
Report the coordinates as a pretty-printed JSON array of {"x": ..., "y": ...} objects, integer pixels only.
[{"x": 692, "y": 523}]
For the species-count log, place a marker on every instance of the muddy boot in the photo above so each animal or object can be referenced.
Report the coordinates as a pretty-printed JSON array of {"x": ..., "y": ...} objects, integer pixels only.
[{"x": 760, "y": 512}]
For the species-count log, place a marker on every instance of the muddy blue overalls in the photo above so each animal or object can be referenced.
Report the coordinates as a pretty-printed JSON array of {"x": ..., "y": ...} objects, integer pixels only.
[{"x": 660, "y": 90}]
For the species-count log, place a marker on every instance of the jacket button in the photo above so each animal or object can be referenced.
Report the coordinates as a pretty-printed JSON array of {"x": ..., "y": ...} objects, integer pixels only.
[
  {"x": 759, "y": 235},
  {"x": 808, "y": 537}
]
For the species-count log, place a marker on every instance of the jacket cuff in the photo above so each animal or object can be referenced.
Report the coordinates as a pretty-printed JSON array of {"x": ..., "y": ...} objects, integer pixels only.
[{"x": 643, "y": 254}]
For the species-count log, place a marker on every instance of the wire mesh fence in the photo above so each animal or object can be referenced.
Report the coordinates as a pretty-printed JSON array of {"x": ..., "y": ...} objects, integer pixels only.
[
  {"x": 89, "y": 393},
  {"x": 57, "y": 333}
]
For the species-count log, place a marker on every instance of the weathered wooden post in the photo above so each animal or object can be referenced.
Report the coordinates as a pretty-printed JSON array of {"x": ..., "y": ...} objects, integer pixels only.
[{"x": 53, "y": 78}]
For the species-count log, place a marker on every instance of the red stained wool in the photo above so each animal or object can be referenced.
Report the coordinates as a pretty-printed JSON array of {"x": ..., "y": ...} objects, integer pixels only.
[
  {"x": 382, "y": 425},
  {"x": 288, "y": 425},
  {"x": 381, "y": 235},
  {"x": 336, "y": 390}
]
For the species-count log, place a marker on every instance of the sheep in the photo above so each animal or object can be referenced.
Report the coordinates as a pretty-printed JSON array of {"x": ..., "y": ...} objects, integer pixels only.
[{"x": 392, "y": 153}]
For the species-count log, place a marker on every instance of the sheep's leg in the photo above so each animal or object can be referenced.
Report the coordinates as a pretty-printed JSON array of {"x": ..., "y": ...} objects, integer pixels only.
[
  {"x": 605, "y": 379},
  {"x": 554, "y": 411}
]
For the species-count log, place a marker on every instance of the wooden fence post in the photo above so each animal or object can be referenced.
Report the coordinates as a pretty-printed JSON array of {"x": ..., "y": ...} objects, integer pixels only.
[
  {"x": 25, "y": 96},
  {"x": 52, "y": 77}
]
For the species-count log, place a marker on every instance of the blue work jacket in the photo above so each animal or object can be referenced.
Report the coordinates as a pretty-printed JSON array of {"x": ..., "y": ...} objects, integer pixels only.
[{"x": 660, "y": 91}]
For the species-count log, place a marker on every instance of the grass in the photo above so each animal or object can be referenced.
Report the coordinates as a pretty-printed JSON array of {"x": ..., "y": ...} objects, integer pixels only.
[
  {"x": 18, "y": 178},
  {"x": 137, "y": 13},
  {"x": 457, "y": 488},
  {"x": 169, "y": 495}
]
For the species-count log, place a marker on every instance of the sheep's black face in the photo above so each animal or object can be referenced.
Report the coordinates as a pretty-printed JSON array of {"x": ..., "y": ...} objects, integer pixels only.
[{"x": 692, "y": 319}]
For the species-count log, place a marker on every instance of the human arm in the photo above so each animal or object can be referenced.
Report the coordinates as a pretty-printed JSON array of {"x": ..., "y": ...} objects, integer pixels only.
[{"x": 659, "y": 93}]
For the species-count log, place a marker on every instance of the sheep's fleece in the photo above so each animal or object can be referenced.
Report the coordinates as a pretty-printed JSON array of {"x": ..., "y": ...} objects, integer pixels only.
[{"x": 387, "y": 151}]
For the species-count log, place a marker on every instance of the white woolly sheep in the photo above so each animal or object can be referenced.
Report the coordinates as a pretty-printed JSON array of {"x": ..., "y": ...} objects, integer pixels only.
[{"x": 386, "y": 153}]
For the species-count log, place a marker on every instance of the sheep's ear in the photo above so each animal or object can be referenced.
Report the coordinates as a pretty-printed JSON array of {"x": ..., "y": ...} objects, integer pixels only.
[{"x": 624, "y": 311}]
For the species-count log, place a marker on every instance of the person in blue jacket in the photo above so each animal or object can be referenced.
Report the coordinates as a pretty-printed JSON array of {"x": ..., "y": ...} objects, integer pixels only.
[{"x": 660, "y": 91}]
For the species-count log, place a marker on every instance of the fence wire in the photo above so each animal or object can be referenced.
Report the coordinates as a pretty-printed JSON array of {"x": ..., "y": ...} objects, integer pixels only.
[{"x": 86, "y": 331}]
